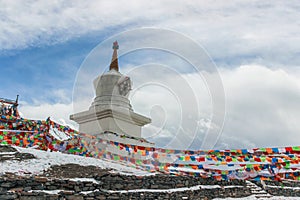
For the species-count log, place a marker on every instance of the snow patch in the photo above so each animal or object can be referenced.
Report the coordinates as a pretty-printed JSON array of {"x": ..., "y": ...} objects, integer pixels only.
[
  {"x": 46, "y": 191},
  {"x": 84, "y": 180},
  {"x": 45, "y": 160},
  {"x": 197, "y": 187}
]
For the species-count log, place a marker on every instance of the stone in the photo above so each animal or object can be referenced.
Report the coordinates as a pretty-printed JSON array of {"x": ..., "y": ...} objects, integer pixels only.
[
  {"x": 187, "y": 183},
  {"x": 77, "y": 189},
  {"x": 41, "y": 179},
  {"x": 118, "y": 186},
  {"x": 51, "y": 187},
  {"x": 113, "y": 197},
  {"x": 39, "y": 187},
  {"x": 74, "y": 197},
  {"x": 53, "y": 197},
  {"x": 3, "y": 190},
  {"x": 8, "y": 184},
  {"x": 26, "y": 198},
  {"x": 85, "y": 189},
  {"x": 101, "y": 197},
  {"x": 26, "y": 189},
  {"x": 8, "y": 196},
  {"x": 180, "y": 185},
  {"x": 154, "y": 187},
  {"x": 67, "y": 192}
]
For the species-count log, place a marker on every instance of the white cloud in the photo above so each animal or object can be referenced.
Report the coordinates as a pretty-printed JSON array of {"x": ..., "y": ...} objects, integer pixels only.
[
  {"x": 58, "y": 112},
  {"x": 264, "y": 30},
  {"x": 262, "y": 107}
]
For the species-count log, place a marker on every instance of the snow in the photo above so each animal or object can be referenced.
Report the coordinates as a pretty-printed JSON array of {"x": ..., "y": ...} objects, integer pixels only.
[
  {"x": 7, "y": 153},
  {"x": 84, "y": 180},
  {"x": 7, "y": 156},
  {"x": 284, "y": 187},
  {"x": 88, "y": 192},
  {"x": 16, "y": 131},
  {"x": 46, "y": 159},
  {"x": 47, "y": 191},
  {"x": 253, "y": 197},
  {"x": 197, "y": 187}
]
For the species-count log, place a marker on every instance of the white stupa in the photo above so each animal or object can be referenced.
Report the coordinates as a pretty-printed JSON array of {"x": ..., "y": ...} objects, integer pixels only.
[{"x": 111, "y": 111}]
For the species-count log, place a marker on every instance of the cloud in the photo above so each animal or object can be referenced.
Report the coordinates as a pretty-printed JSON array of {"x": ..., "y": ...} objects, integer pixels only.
[
  {"x": 264, "y": 32},
  {"x": 58, "y": 112},
  {"x": 262, "y": 108}
]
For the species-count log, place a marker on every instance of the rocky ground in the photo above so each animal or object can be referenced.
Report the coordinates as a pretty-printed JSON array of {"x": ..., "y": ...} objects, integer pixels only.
[
  {"x": 73, "y": 181},
  {"x": 74, "y": 171},
  {"x": 10, "y": 153}
]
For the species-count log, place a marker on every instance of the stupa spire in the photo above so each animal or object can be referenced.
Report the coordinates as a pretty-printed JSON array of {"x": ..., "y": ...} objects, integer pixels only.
[{"x": 114, "y": 61}]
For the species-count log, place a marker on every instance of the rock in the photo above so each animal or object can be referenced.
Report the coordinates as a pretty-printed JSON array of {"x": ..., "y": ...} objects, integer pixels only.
[
  {"x": 8, "y": 196},
  {"x": 101, "y": 197},
  {"x": 3, "y": 190},
  {"x": 179, "y": 185},
  {"x": 41, "y": 179},
  {"x": 52, "y": 187},
  {"x": 154, "y": 187},
  {"x": 118, "y": 186},
  {"x": 91, "y": 188},
  {"x": 26, "y": 189},
  {"x": 8, "y": 184},
  {"x": 85, "y": 189},
  {"x": 40, "y": 197},
  {"x": 4, "y": 148},
  {"x": 39, "y": 187},
  {"x": 113, "y": 197},
  {"x": 74, "y": 197},
  {"x": 67, "y": 192},
  {"x": 187, "y": 183},
  {"x": 77, "y": 189}
]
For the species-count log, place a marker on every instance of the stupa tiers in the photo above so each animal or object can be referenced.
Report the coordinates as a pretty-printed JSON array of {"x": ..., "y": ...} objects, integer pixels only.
[{"x": 111, "y": 111}]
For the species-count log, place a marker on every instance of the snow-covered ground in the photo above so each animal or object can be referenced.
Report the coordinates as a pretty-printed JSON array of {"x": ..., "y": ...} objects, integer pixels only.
[
  {"x": 197, "y": 187},
  {"x": 46, "y": 159},
  {"x": 84, "y": 180},
  {"x": 252, "y": 197}
]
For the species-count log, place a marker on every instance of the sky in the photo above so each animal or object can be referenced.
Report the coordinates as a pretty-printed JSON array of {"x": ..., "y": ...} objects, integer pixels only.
[{"x": 245, "y": 95}]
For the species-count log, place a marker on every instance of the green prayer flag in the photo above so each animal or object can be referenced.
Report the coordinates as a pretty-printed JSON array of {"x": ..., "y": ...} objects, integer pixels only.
[
  {"x": 14, "y": 139},
  {"x": 263, "y": 149},
  {"x": 296, "y": 148},
  {"x": 4, "y": 142}
]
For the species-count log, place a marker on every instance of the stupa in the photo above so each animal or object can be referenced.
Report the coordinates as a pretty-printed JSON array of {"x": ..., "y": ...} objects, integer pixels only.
[{"x": 111, "y": 111}]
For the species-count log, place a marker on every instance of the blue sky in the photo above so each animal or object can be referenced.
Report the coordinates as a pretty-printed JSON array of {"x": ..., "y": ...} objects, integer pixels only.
[
  {"x": 34, "y": 71},
  {"x": 254, "y": 44}
]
